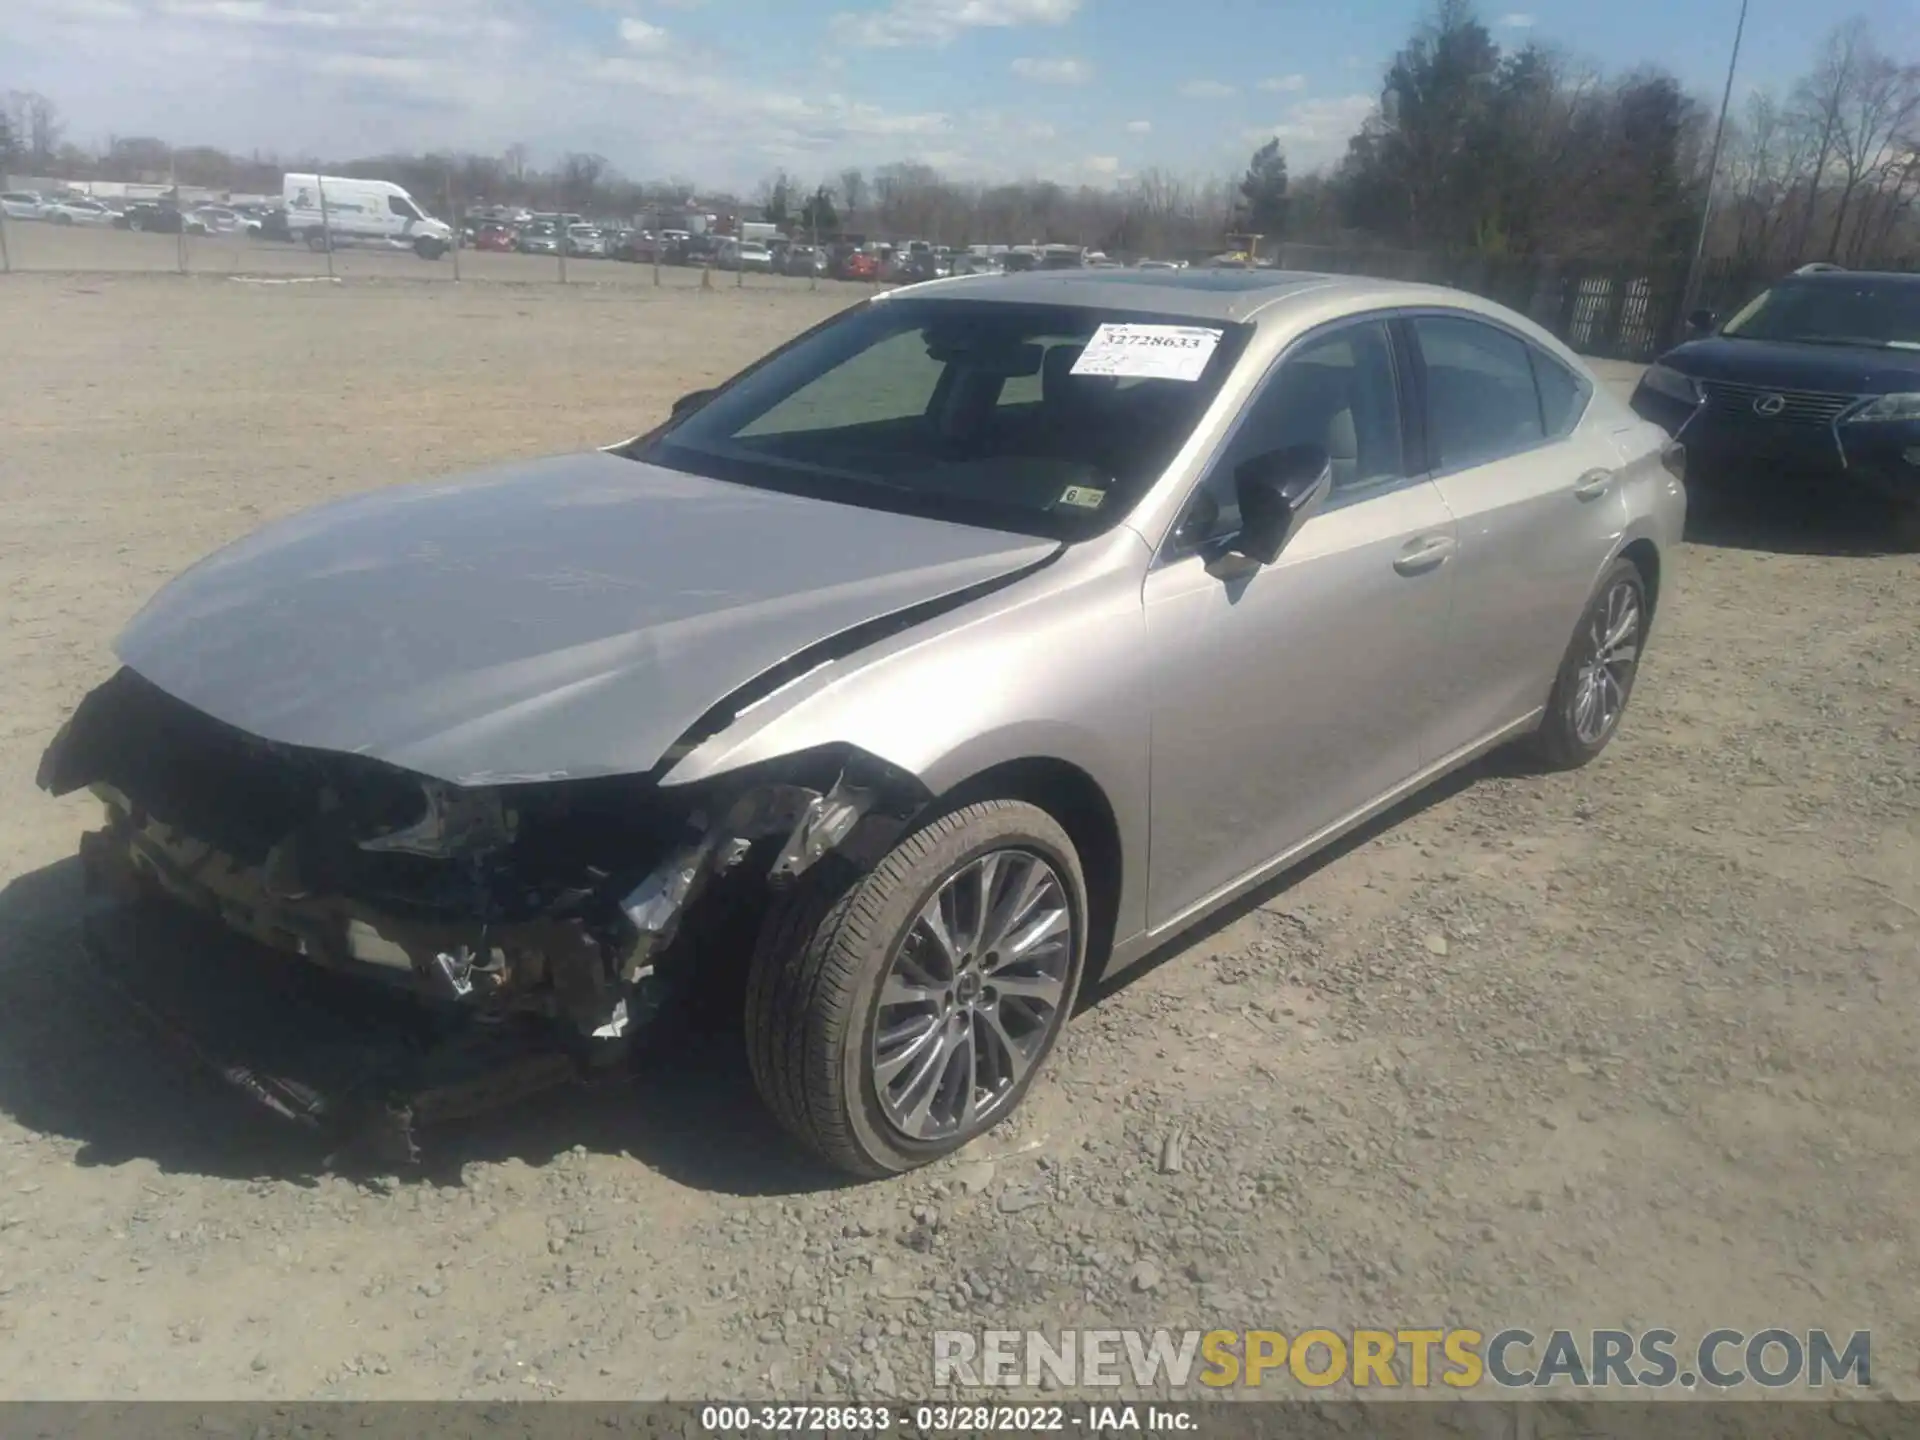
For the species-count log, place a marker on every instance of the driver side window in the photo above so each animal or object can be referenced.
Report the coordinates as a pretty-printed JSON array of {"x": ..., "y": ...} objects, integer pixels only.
[{"x": 1337, "y": 391}]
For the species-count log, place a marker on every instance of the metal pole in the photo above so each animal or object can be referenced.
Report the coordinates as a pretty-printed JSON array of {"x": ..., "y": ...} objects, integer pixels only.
[
  {"x": 813, "y": 260},
  {"x": 180, "y": 235},
  {"x": 6, "y": 259},
  {"x": 453, "y": 224},
  {"x": 1692, "y": 290},
  {"x": 326, "y": 221},
  {"x": 563, "y": 229}
]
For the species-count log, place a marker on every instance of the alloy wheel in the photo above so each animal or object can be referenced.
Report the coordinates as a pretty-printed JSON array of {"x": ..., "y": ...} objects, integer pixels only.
[
  {"x": 972, "y": 995},
  {"x": 1600, "y": 687}
]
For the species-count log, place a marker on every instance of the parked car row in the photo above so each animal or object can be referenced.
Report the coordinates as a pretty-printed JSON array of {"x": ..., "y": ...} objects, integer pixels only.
[
  {"x": 375, "y": 211},
  {"x": 62, "y": 209},
  {"x": 165, "y": 217}
]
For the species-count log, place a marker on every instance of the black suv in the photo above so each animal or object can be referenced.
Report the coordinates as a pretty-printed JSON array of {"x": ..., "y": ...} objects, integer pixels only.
[{"x": 1817, "y": 380}]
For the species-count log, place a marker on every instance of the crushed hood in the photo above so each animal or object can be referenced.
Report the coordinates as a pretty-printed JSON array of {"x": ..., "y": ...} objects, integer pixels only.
[{"x": 556, "y": 619}]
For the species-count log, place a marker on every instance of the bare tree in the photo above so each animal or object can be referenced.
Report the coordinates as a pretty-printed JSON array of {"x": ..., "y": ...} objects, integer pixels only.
[
  {"x": 1820, "y": 99},
  {"x": 36, "y": 127},
  {"x": 1879, "y": 104},
  {"x": 853, "y": 192},
  {"x": 580, "y": 176}
]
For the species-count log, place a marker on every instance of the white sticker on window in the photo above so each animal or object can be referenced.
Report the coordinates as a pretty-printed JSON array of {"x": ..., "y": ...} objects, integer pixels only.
[
  {"x": 1153, "y": 352},
  {"x": 1082, "y": 497}
]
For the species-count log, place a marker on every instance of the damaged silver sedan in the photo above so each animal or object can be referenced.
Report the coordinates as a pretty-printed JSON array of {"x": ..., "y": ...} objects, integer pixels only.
[{"x": 974, "y": 643}]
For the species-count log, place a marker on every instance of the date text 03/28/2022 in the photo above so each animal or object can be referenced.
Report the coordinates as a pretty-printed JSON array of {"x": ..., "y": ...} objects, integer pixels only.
[
  {"x": 961, "y": 1419},
  {"x": 943, "y": 1419}
]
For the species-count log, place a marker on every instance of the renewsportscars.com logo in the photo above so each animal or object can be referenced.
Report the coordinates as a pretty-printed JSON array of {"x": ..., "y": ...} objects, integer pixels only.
[{"x": 1406, "y": 1358}]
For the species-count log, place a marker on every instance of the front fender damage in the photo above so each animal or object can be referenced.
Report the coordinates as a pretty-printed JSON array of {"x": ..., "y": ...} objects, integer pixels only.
[{"x": 859, "y": 816}]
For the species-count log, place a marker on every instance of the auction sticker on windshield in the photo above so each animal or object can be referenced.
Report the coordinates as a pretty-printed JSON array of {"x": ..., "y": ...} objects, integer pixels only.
[{"x": 1148, "y": 352}]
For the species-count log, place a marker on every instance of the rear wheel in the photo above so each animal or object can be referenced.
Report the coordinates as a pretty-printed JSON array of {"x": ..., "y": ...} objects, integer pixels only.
[
  {"x": 893, "y": 1020},
  {"x": 1596, "y": 676}
]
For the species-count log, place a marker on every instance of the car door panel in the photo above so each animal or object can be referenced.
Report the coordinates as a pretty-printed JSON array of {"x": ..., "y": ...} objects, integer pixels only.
[
  {"x": 1537, "y": 517},
  {"x": 1285, "y": 701}
]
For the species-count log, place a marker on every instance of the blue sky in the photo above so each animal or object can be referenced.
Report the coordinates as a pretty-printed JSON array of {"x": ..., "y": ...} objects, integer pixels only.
[{"x": 728, "y": 90}]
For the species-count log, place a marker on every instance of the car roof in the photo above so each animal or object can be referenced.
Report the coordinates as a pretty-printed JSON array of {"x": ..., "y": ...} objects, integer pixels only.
[{"x": 1202, "y": 294}]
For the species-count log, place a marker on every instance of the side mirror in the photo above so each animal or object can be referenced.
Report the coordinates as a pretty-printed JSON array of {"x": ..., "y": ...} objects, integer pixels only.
[
  {"x": 1278, "y": 493},
  {"x": 691, "y": 401},
  {"x": 1701, "y": 321}
]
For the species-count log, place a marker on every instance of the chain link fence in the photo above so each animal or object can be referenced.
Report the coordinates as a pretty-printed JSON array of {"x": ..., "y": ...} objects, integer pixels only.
[
  {"x": 1604, "y": 308},
  {"x": 44, "y": 246}
]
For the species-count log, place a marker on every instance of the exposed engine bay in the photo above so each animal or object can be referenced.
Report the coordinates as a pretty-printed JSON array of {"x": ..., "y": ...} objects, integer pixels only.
[{"x": 547, "y": 922}]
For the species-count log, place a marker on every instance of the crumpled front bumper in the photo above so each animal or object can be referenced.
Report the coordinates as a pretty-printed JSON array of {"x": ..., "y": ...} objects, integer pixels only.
[{"x": 362, "y": 1067}]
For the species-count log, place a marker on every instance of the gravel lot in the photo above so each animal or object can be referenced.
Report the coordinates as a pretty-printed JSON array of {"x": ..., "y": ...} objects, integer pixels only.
[{"x": 1632, "y": 1047}]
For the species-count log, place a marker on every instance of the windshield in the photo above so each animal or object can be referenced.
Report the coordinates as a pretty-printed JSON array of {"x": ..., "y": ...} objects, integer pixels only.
[
  {"x": 1856, "y": 311},
  {"x": 961, "y": 410}
]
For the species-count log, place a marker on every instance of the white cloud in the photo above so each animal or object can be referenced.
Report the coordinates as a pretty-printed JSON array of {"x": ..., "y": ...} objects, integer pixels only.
[
  {"x": 1207, "y": 90},
  {"x": 938, "y": 22},
  {"x": 1139, "y": 127},
  {"x": 1103, "y": 164},
  {"x": 352, "y": 78},
  {"x": 361, "y": 17},
  {"x": 641, "y": 36},
  {"x": 1314, "y": 133},
  {"x": 1064, "y": 71},
  {"x": 1283, "y": 84},
  {"x": 1515, "y": 20}
]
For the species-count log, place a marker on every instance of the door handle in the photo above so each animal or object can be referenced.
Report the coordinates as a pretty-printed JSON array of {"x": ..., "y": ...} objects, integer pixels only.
[
  {"x": 1427, "y": 553},
  {"x": 1593, "y": 484}
]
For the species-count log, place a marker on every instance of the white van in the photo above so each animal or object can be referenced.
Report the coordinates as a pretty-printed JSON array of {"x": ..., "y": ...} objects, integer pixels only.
[{"x": 364, "y": 212}]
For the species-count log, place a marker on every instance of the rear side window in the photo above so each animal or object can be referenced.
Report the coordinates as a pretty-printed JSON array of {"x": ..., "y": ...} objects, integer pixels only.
[
  {"x": 1563, "y": 394},
  {"x": 1481, "y": 400}
]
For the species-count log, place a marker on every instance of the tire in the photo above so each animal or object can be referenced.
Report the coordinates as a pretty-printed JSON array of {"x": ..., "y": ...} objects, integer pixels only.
[
  {"x": 428, "y": 248},
  {"x": 317, "y": 241},
  {"x": 63, "y": 220},
  {"x": 1571, "y": 735},
  {"x": 814, "y": 999}
]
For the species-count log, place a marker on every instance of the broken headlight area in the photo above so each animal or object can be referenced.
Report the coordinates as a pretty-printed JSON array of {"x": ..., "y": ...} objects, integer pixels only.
[{"x": 562, "y": 902}]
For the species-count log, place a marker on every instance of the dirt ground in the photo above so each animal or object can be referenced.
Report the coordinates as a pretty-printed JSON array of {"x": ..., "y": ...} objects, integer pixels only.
[{"x": 1633, "y": 1046}]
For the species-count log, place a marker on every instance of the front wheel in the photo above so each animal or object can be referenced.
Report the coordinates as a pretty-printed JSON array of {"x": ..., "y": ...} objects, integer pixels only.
[
  {"x": 1596, "y": 676},
  {"x": 897, "y": 1018},
  {"x": 427, "y": 248}
]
